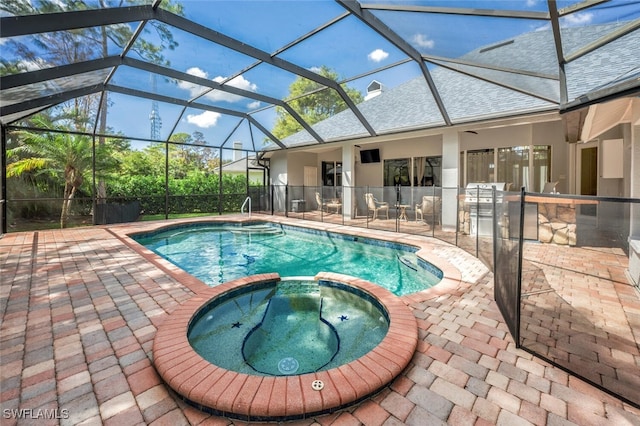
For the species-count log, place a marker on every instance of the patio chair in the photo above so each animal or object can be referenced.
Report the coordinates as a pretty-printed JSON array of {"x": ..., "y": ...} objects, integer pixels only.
[
  {"x": 549, "y": 187},
  {"x": 333, "y": 204},
  {"x": 430, "y": 207},
  {"x": 328, "y": 205},
  {"x": 321, "y": 204},
  {"x": 375, "y": 205}
]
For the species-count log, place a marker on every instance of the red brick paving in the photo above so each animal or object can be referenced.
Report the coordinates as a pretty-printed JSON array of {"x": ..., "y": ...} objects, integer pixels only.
[
  {"x": 81, "y": 312},
  {"x": 580, "y": 311}
]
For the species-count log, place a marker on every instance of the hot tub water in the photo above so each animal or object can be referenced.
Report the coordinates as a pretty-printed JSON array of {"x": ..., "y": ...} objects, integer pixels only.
[{"x": 292, "y": 327}]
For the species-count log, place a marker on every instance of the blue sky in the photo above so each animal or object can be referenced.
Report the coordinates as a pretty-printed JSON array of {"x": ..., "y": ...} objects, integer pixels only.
[{"x": 349, "y": 47}]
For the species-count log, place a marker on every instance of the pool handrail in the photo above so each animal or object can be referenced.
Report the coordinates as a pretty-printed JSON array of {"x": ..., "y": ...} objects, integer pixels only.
[{"x": 248, "y": 199}]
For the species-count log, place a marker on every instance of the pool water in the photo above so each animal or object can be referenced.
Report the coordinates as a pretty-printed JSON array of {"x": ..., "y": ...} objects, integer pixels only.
[
  {"x": 291, "y": 327},
  {"x": 220, "y": 253},
  {"x": 292, "y": 332}
]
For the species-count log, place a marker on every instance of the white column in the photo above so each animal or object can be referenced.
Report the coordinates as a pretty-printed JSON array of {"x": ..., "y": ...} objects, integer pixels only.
[
  {"x": 348, "y": 167},
  {"x": 635, "y": 169},
  {"x": 634, "y": 232},
  {"x": 450, "y": 178},
  {"x": 279, "y": 177}
]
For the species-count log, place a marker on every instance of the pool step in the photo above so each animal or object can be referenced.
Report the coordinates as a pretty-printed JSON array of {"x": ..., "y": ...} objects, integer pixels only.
[
  {"x": 256, "y": 229},
  {"x": 408, "y": 262},
  {"x": 301, "y": 286}
]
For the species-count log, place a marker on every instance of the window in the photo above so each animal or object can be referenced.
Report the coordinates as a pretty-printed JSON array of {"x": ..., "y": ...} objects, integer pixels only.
[
  {"x": 396, "y": 172},
  {"x": 517, "y": 166},
  {"x": 331, "y": 173},
  {"x": 480, "y": 166},
  {"x": 416, "y": 171},
  {"x": 427, "y": 171},
  {"x": 541, "y": 166},
  {"x": 513, "y": 167}
]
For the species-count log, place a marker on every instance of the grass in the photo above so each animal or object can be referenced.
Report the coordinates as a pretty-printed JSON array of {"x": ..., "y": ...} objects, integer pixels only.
[{"x": 28, "y": 225}]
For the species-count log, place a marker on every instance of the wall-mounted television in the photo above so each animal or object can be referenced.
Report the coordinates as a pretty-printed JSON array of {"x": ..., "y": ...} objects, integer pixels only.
[{"x": 370, "y": 156}]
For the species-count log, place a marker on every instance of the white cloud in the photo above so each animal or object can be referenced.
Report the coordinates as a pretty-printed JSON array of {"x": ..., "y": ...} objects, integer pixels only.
[
  {"x": 193, "y": 89},
  {"x": 195, "y": 71},
  {"x": 254, "y": 105},
  {"x": 573, "y": 20},
  {"x": 577, "y": 19},
  {"x": 205, "y": 120},
  {"x": 545, "y": 27},
  {"x": 421, "y": 40},
  {"x": 217, "y": 95},
  {"x": 531, "y": 3},
  {"x": 238, "y": 82},
  {"x": 378, "y": 55}
]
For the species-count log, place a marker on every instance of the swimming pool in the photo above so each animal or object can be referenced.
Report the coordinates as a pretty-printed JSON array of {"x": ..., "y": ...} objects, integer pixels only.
[{"x": 217, "y": 253}]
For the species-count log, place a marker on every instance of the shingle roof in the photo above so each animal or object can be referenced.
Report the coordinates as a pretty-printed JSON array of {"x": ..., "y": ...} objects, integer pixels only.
[
  {"x": 411, "y": 105},
  {"x": 239, "y": 165}
]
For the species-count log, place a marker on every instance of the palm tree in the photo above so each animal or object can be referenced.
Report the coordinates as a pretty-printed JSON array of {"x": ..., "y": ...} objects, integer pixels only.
[{"x": 58, "y": 154}]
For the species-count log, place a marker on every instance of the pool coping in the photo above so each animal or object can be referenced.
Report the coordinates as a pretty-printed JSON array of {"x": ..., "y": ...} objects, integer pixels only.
[{"x": 279, "y": 398}]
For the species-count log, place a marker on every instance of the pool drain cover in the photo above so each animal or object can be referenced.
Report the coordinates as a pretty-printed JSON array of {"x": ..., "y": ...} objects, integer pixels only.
[{"x": 288, "y": 365}]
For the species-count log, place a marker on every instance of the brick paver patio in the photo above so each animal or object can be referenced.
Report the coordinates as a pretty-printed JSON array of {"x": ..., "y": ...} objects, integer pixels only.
[{"x": 80, "y": 309}]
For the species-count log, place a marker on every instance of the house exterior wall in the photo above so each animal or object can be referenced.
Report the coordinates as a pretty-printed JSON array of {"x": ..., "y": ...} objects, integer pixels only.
[
  {"x": 547, "y": 133},
  {"x": 615, "y": 187},
  {"x": 634, "y": 190},
  {"x": 369, "y": 174},
  {"x": 635, "y": 173},
  {"x": 287, "y": 167},
  {"x": 295, "y": 167},
  {"x": 278, "y": 164},
  {"x": 334, "y": 155},
  {"x": 552, "y": 133},
  {"x": 255, "y": 176},
  {"x": 406, "y": 146}
]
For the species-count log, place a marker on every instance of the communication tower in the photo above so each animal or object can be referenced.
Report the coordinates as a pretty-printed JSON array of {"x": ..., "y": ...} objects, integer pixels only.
[{"x": 154, "y": 116}]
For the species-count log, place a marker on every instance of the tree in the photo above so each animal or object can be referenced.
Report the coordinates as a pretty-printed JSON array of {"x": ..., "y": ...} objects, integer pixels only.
[
  {"x": 67, "y": 47},
  {"x": 187, "y": 153},
  {"x": 208, "y": 155},
  {"x": 313, "y": 102},
  {"x": 59, "y": 154}
]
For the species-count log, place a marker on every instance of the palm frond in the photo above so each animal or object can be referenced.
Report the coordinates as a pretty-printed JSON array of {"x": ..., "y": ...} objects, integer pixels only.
[{"x": 25, "y": 165}]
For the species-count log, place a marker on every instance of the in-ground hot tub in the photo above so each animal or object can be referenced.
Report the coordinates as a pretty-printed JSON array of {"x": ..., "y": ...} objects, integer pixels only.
[
  {"x": 240, "y": 350},
  {"x": 294, "y": 326}
]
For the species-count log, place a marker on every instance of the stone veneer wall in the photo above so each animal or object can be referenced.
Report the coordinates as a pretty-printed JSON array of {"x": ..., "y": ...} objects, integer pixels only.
[
  {"x": 557, "y": 223},
  {"x": 634, "y": 261},
  {"x": 464, "y": 219}
]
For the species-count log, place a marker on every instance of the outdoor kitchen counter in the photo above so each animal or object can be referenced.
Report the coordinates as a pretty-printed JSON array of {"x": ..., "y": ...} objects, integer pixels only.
[
  {"x": 549, "y": 218},
  {"x": 554, "y": 199},
  {"x": 556, "y": 217}
]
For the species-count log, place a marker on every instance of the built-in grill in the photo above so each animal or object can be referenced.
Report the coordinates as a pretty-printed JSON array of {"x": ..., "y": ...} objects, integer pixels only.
[{"x": 479, "y": 199}]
